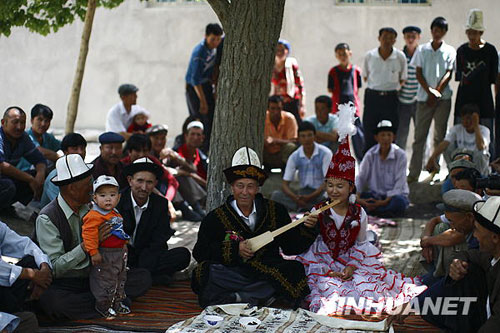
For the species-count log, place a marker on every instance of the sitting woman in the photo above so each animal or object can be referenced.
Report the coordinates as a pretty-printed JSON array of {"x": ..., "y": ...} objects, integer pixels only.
[{"x": 342, "y": 263}]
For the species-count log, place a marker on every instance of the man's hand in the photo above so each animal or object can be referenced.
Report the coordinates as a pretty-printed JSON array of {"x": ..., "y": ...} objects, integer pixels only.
[
  {"x": 244, "y": 250},
  {"x": 43, "y": 276},
  {"x": 96, "y": 259},
  {"x": 458, "y": 269},
  {"x": 269, "y": 140},
  {"x": 347, "y": 273},
  {"x": 37, "y": 292},
  {"x": 311, "y": 220},
  {"x": 433, "y": 96},
  {"x": 431, "y": 165},
  {"x": 496, "y": 165},
  {"x": 203, "y": 107},
  {"x": 427, "y": 254},
  {"x": 475, "y": 119},
  {"x": 104, "y": 231},
  {"x": 299, "y": 200},
  {"x": 36, "y": 185}
]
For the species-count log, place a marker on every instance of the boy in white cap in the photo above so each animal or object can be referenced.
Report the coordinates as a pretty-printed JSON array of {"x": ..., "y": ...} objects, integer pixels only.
[
  {"x": 476, "y": 70},
  {"x": 109, "y": 258}
]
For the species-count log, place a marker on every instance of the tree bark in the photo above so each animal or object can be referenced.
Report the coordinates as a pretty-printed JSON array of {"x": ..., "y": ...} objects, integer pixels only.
[
  {"x": 80, "y": 67},
  {"x": 252, "y": 29}
]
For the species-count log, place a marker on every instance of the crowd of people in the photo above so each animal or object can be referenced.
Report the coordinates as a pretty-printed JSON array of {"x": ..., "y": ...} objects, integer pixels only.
[{"x": 102, "y": 228}]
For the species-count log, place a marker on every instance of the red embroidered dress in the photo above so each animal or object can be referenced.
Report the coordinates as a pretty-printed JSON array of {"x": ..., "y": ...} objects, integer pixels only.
[{"x": 342, "y": 242}]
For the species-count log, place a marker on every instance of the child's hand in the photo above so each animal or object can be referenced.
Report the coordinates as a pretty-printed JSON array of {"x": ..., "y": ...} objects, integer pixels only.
[
  {"x": 475, "y": 119},
  {"x": 335, "y": 274},
  {"x": 96, "y": 259},
  {"x": 347, "y": 273}
]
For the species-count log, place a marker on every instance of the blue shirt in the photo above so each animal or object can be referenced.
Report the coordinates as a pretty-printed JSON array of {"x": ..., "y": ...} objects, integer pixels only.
[
  {"x": 8, "y": 322},
  {"x": 50, "y": 191},
  {"x": 15, "y": 246},
  {"x": 312, "y": 170},
  {"x": 201, "y": 65},
  {"x": 24, "y": 148},
  {"x": 49, "y": 142},
  {"x": 331, "y": 124}
]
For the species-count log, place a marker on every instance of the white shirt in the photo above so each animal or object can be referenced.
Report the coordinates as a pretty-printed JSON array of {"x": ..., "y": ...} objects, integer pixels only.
[
  {"x": 138, "y": 210},
  {"x": 118, "y": 119},
  {"x": 434, "y": 64},
  {"x": 251, "y": 220},
  {"x": 459, "y": 136},
  {"x": 385, "y": 75}
]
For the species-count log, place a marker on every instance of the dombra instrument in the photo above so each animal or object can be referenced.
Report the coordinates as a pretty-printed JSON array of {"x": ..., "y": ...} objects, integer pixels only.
[{"x": 267, "y": 237}]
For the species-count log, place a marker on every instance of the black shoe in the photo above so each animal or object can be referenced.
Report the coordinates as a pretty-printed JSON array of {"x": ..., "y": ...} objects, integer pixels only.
[
  {"x": 188, "y": 214},
  {"x": 198, "y": 210}
]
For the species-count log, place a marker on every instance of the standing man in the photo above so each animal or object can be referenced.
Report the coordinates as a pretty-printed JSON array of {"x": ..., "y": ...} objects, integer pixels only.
[
  {"x": 228, "y": 271},
  {"x": 120, "y": 116},
  {"x": 477, "y": 70},
  {"x": 385, "y": 70},
  {"x": 434, "y": 61},
  {"x": 407, "y": 106},
  {"x": 59, "y": 233},
  {"x": 17, "y": 185},
  {"x": 108, "y": 162},
  {"x": 147, "y": 221},
  {"x": 199, "y": 85}
]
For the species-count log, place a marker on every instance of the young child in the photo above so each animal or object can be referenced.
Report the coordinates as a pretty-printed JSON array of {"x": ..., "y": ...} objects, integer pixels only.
[
  {"x": 344, "y": 81},
  {"x": 140, "y": 121},
  {"x": 109, "y": 258},
  {"x": 342, "y": 262}
]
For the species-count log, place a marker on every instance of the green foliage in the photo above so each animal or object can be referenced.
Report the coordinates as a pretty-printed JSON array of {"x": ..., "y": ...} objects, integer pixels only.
[{"x": 44, "y": 16}]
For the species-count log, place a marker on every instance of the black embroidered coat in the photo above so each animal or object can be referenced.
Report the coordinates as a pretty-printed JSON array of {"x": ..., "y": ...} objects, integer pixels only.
[{"x": 217, "y": 243}]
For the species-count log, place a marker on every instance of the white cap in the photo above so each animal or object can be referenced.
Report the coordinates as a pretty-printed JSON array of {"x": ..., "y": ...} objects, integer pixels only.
[
  {"x": 487, "y": 213},
  {"x": 105, "y": 180},
  {"x": 71, "y": 168},
  {"x": 475, "y": 20},
  {"x": 245, "y": 156},
  {"x": 195, "y": 123}
]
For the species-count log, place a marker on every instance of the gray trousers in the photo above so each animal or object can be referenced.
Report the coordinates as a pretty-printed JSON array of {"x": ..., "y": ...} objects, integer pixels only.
[
  {"x": 235, "y": 285},
  {"x": 406, "y": 113},
  {"x": 280, "y": 197},
  {"x": 440, "y": 113},
  {"x": 107, "y": 280},
  {"x": 190, "y": 190}
]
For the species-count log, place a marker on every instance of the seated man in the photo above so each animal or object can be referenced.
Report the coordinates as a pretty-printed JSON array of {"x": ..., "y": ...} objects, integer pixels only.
[
  {"x": 469, "y": 134},
  {"x": 17, "y": 185},
  {"x": 280, "y": 134},
  {"x": 446, "y": 234},
  {"x": 108, "y": 163},
  {"x": 474, "y": 273},
  {"x": 228, "y": 271},
  {"x": 311, "y": 160},
  {"x": 381, "y": 182},
  {"x": 47, "y": 144},
  {"x": 467, "y": 180},
  {"x": 191, "y": 152},
  {"x": 190, "y": 193},
  {"x": 456, "y": 167},
  {"x": 325, "y": 122},
  {"x": 33, "y": 269},
  {"x": 72, "y": 143},
  {"x": 59, "y": 233},
  {"x": 147, "y": 221},
  {"x": 120, "y": 115},
  {"x": 139, "y": 146}
]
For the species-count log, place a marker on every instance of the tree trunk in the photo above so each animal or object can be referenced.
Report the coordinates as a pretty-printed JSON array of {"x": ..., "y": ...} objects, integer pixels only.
[
  {"x": 80, "y": 67},
  {"x": 252, "y": 29}
]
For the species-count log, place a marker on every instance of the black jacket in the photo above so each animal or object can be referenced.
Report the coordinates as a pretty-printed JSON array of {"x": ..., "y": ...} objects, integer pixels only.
[{"x": 153, "y": 232}]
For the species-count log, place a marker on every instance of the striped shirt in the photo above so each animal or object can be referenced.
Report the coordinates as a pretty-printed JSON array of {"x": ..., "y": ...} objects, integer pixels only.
[{"x": 408, "y": 92}]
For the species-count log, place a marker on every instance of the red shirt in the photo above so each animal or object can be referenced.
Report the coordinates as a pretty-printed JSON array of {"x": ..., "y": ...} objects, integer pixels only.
[{"x": 198, "y": 163}]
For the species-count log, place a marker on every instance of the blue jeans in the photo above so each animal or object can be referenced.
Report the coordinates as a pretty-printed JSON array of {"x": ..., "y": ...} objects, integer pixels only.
[{"x": 395, "y": 208}]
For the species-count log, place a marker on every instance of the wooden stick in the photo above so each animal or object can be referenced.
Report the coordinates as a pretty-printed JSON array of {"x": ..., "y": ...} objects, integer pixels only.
[{"x": 267, "y": 237}]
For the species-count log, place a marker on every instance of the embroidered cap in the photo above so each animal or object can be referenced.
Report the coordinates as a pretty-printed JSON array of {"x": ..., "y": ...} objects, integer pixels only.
[
  {"x": 475, "y": 20},
  {"x": 245, "y": 164},
  {"x": 342, "y": 165},
  {"x": 143, "y": 164},
  {"x": 71, "y": 168},
  {"x": 385, "y": 125},
  {"x": 487, "y": 213}
]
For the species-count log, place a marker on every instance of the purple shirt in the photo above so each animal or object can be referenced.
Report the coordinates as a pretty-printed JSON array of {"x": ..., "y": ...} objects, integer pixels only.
[{"x": 383, "y": 177}]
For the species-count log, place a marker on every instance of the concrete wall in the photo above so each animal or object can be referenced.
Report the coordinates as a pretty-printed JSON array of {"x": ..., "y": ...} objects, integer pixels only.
[{"x": 150, "y": 45}]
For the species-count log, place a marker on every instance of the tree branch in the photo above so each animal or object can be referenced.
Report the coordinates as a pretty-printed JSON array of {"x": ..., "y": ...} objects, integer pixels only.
[{"x": 221, "y": 8}]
